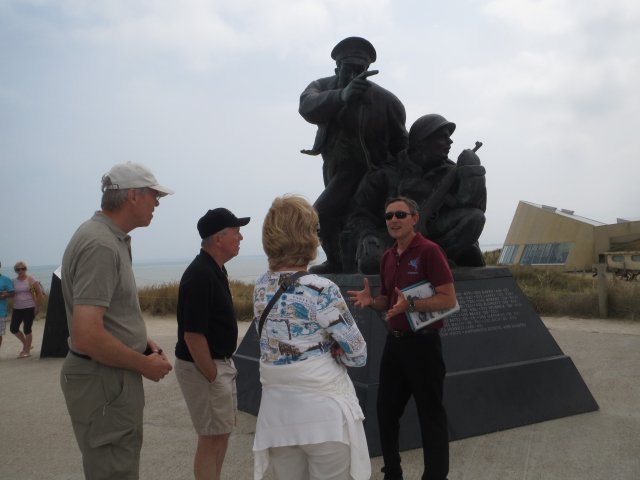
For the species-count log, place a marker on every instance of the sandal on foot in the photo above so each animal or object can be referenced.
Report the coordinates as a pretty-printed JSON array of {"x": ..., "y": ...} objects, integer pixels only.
[{"x": 24, "y": 355}]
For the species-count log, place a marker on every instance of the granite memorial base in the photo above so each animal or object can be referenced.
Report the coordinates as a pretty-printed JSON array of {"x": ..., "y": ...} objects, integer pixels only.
[{"x": 504, "y": 369}]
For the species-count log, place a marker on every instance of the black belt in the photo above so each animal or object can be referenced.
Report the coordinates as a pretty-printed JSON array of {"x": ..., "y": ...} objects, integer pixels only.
[
  {"x": 410, "y": 333},
  {"x": 87, "y": 357},
  {"x": 81, "y": 355}
]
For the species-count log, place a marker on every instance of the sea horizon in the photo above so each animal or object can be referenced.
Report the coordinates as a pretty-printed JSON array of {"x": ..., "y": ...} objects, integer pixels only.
[{"x": 243, "y": 268}]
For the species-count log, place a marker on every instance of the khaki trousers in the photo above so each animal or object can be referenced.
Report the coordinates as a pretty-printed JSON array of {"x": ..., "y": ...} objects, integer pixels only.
[{"x": 105, "y": 405}]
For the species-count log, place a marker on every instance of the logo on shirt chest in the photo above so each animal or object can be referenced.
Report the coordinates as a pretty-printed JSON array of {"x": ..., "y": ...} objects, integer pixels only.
[{"x": 413, "y": 266}]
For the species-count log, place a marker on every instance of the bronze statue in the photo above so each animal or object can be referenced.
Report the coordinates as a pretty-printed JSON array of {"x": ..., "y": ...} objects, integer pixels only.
[
  {"x": 368, "y": 157},
  {"x": 361, "y": 129},
  {"x": 452, "y": 197}
]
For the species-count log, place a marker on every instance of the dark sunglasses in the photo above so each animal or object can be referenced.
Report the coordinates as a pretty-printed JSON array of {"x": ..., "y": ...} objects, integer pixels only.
[
  {"x": 19, "y": 269},
  {"x": 399, "y": 214}
]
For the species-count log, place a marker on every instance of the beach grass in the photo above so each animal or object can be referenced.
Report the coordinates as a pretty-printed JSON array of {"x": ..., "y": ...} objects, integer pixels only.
[
  {"x": 162, "y": 299},
  {"x": 556, "y": 293},
  {"x": 550, "y": 291},
  {"x": 159, "y": 299},
  {"x": 491, "y": 257}
]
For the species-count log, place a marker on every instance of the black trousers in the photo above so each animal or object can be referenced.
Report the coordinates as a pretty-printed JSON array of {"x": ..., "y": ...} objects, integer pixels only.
[
  {"x": 413, "y": 366},
  {"x": 24, "y": 316}
]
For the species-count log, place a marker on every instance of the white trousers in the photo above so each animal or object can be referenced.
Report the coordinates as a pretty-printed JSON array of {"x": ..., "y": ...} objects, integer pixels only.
[{"x": 320, "y": 461}]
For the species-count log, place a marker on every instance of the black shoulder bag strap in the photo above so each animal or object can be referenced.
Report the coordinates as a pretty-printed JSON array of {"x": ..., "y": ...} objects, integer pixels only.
[{"x": 286, "y": 283}]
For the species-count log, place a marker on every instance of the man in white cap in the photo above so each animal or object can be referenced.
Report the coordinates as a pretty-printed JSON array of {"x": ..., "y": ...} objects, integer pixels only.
[
  {"x": 207, "y": 338},
  {"x": 361, "y": 129},
  {"x": 109, "y": 351}
]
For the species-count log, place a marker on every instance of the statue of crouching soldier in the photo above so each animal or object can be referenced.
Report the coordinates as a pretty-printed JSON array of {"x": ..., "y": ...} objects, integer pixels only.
[{"x": 452, "y": 196}]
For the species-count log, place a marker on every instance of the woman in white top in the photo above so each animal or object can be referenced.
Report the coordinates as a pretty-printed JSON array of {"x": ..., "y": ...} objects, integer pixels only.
[
  {"x": 310, "y": 422},
  {"x": 26, "y": 304}
]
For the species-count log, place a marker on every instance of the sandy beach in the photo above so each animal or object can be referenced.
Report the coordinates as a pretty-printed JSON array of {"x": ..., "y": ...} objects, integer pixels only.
[{"x": 37, "y": 441}]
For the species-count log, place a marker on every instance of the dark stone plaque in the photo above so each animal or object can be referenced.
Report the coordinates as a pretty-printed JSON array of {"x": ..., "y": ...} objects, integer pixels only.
[
  {"x": 504, "y": 369},
  {"x": 56, "y": 331}
]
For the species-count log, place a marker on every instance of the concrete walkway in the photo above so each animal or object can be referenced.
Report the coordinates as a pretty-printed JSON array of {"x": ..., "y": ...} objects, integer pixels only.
[{"x": 36, "y": 440}]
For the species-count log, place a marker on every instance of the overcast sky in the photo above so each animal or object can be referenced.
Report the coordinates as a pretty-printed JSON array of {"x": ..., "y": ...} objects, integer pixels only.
[{"x": 206, "y": 94}]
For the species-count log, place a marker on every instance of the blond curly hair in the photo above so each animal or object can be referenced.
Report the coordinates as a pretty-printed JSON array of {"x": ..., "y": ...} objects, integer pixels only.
[{"x": 289, "y": 232}]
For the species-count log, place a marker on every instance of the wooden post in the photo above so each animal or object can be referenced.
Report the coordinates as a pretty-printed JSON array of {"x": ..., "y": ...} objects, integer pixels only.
[{"x": 601, "y": 270}]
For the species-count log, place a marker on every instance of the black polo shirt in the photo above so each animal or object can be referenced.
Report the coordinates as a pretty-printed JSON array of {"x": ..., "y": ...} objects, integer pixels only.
[{"x": 205, "y": 306}]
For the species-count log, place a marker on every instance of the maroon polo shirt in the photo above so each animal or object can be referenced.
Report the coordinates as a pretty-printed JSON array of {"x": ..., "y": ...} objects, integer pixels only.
[{"x": 422, "y": 260}]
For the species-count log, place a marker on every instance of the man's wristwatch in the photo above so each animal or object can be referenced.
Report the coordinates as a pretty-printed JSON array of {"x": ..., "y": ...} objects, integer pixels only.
[{"x": 412, "y": 306}]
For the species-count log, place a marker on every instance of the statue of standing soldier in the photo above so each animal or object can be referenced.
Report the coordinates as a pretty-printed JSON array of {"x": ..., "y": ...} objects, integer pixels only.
[
  {"x": 361, "y": 129},
  {"x": 368, "y": 157}
]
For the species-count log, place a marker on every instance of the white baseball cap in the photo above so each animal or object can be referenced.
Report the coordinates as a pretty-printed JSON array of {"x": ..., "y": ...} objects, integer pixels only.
[{"x": 134, "y": 175}]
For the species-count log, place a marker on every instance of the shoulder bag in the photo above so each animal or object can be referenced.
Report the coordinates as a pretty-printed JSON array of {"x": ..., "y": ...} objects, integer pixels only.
[{"x": 286, "y": 283}]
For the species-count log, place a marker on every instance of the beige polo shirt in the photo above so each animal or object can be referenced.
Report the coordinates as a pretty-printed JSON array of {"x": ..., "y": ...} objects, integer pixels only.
[{"x": 96, "y": 270}]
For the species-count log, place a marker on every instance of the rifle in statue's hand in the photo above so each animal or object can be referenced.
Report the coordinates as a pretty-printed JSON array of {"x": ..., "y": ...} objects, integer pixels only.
[{"x": 430, "y": 207}]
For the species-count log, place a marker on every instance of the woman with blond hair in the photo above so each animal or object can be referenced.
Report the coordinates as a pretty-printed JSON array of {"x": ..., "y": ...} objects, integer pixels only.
[
  {"x": 310, "y": 422},
  {"x": 26, "y": 303}
]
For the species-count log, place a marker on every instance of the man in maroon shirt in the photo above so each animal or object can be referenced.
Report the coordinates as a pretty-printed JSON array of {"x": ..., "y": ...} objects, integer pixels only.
[{"x": 411, "y": 362}]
